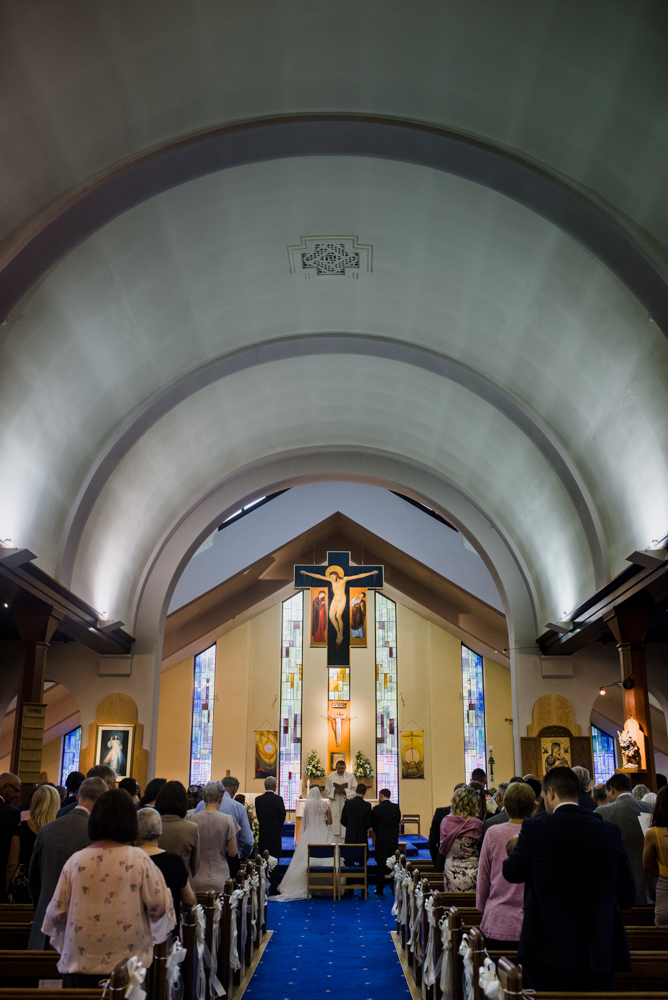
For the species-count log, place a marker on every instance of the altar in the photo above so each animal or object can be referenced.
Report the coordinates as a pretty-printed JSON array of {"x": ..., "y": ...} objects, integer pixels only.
[{"x": 299, "y": 815}]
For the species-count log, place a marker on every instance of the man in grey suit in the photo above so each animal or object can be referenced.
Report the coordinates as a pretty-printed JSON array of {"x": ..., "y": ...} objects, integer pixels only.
[
  {"x": 56, "y": 842},
  {"x": 623, "y": 810}
]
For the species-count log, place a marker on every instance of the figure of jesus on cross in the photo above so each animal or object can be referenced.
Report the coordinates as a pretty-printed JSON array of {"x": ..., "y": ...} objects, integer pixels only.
[{"x": 335, "y": 574}]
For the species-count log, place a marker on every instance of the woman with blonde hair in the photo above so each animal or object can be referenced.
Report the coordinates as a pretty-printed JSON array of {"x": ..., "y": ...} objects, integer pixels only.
[
  {"x": 44, "y": 806},
  {"x": 461, "y": 838}
]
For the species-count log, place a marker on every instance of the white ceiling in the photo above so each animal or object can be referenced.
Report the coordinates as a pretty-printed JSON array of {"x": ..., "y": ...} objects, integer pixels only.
[{"x": 201, "y": 271}]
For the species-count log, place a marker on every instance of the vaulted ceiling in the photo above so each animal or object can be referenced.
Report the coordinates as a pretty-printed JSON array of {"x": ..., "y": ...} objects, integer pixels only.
[{"x": 508, "y": 339}]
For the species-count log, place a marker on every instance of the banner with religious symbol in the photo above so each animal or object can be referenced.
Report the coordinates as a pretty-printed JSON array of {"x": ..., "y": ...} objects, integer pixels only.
[
  {"x": 336, "y": 576},
  {"x": 266, "y": 747},
  {"x": 412, "y": 753}
]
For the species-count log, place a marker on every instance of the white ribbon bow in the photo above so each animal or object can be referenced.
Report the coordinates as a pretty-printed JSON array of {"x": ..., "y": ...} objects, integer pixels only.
[
  {"x": 466, "y": 952},
  {"x": 234, "y": 947},
  {"x": 177, "y": 953},
  {"x": 444, "y": 964},
  {"x": 136, "y": 977},
  {"x": 489, "y": 984}
]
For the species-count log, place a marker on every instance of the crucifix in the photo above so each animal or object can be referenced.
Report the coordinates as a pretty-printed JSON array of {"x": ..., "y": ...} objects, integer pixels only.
[{"x": 337, "y": 575}]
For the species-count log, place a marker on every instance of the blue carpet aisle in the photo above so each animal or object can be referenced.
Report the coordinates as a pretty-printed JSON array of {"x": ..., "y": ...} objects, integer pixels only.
[{"x": 320, "y": 947}]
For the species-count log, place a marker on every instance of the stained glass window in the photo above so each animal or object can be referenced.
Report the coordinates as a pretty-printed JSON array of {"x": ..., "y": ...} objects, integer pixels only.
[
  {"x": 473, "y": 691},
  {"x": 387, "y": 725},
  {"x": 339, "y": 683},
  {"x": 71, "y": 750},
  {"x": 603, "y": 748},
  {"x": 201, "y": 744},
  {"x": 290, "y": 749}
]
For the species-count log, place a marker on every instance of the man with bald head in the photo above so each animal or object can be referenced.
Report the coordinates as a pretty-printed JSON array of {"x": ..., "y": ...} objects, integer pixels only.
[{"x": 10, "y": 821}]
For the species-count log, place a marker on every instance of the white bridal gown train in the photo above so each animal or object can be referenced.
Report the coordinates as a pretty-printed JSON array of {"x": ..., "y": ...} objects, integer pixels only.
[{"x": 314, "y": 831}]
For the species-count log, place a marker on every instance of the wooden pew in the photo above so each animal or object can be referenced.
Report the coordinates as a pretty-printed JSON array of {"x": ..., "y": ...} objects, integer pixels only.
[
  {"x": 16, "y": 913},
  {"x": 118, "y": 983},
  {"x": 14, "y": 936},
  {"x": 191, "y": 961},
  {"x": 510, "y": 978}
]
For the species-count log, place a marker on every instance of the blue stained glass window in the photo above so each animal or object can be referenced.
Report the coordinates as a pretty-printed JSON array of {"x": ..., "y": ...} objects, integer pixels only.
[
  {"x": 387, "y": 722},
  {"x": 201, "y": 743},
  {"x": 603, "y": 749},
  {"x": 473, "y": 691},
  {"x": 290, "y": 723},
  {"x": 71, "y": 750}
]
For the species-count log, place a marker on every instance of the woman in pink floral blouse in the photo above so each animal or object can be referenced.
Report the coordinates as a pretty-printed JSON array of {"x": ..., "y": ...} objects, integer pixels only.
[{"x": 111, "y": 901}]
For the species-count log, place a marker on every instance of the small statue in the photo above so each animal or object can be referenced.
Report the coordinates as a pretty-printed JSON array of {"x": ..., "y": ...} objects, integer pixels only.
[{"x": 630, "y": 750}]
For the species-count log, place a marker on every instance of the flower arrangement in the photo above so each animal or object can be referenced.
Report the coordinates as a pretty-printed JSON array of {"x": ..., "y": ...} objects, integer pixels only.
[
  {"x": 362, "y": 767},
  {"x": 630, "y": 750},
  {"x": 314, "y": 768}
]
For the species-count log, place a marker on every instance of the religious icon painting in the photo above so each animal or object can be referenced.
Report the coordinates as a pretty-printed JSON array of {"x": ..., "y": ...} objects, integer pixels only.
[
  {"x": 266, "y": 752},
  {"x": 555, "y": 751},
  {"x": 412, "y": 753},
  {"x": 114, "y": 748},
  {"x": 319, "y": 615},
  {"x": 358, "y": 623}
]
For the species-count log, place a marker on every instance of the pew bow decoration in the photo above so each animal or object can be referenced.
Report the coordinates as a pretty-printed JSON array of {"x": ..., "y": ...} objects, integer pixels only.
[
  {"x": 430, "y": 972},
  {"x": 234, "y": 913},
  {"x": 444, "y": 964},
  {"x": 466, "y": 953},
  {"x": 177, "y": 954},
  {"x": 487, "y": 980},
  {"x": 391, "y": 862},
  {"x": 416, "y": 922},
  {"x": 136, "y": 976}
]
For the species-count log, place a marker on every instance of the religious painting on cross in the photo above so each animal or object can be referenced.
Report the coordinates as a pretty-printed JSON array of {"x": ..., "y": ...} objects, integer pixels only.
[{"x": 334, "y": 602}]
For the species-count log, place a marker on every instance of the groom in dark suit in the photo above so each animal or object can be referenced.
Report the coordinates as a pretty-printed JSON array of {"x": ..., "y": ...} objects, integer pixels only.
[
  {"x": 385, "y": 819},
  {"x": 577, "y": 880},
  {"x": 270, "y": 812}
]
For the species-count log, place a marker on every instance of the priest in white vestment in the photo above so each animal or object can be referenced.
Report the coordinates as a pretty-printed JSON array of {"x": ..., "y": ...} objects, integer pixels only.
[{"x": 340, "y": 785}]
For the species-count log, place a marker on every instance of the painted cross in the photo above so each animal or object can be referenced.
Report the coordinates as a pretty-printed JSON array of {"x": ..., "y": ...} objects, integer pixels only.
[{"x": 337, "y": 575}]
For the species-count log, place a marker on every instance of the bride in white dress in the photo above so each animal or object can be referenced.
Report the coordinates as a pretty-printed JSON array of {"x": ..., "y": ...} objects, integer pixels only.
[{"x": 316, "y": 829}]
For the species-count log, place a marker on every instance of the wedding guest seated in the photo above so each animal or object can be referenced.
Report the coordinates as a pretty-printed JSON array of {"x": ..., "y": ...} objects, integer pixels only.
[
  {"x": 150, "y": 795},
  {"x": 171, "y": 865},
  {"x": 55, "y": 843},
  {"x": 95, "y": 882},
  {"x": 500, "y": 901},
  {"x": 461, "y": 839},
  {"x": 217, "y": 841},
  {"x": 130, "y": 786},
  {"x": 655, "y": 855},
  {"x": 44, "y": 806},
  {"x": 178, "y": 834}
]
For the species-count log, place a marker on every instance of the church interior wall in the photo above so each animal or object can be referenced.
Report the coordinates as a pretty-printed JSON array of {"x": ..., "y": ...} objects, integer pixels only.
[{"x": 248, "y": 698}]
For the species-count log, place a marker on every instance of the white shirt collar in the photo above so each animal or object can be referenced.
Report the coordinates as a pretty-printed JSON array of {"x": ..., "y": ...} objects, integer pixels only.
[
  {"x": 625, "y": 793},
  {"x": 560, "y": 804}
]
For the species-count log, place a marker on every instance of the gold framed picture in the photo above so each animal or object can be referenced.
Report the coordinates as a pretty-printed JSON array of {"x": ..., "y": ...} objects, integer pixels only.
[
  {"x": 114, "y": 747},
  {"x": 555, "y": 751}
]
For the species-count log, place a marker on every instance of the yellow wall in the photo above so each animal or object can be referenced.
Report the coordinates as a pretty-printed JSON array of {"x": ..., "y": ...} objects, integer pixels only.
[
  {"x": 51, "y": 759},
  {"x": 499, "y": 712},
  {"x": 248, "y": 698},
  {"x": 176, "y": 697}
]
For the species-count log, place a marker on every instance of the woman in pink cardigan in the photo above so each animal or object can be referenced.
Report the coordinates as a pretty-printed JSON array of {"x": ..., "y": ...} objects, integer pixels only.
[{"x": 499, "y": 901}]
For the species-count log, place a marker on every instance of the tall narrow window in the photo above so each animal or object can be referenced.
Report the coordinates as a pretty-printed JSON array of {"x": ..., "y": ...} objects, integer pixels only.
[
  {"x": 387, "y": 723},
  {"x": 71, "y": 751},
  {"x": 473, "y": 692},
  {"x": 201, "y": 743},
  {"x": 290, "y": 743},
  {"x": 603, "y": 749},
  {"x": 339, "y": 683}
]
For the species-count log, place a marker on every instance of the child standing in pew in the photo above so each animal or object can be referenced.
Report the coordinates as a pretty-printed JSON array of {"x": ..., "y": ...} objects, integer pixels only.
[{"x": 499, "y": 901}]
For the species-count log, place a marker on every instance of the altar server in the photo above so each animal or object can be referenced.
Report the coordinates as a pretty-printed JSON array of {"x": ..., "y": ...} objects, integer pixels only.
[{"x": 340, "y": 786}]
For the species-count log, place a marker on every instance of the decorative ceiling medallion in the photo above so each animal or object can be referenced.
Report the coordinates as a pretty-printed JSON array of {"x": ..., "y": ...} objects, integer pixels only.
[{"x": 330, "y": 257}]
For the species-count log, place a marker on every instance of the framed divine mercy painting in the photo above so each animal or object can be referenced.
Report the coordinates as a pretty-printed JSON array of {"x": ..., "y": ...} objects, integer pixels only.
[{"x": 114, "y": 747}]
